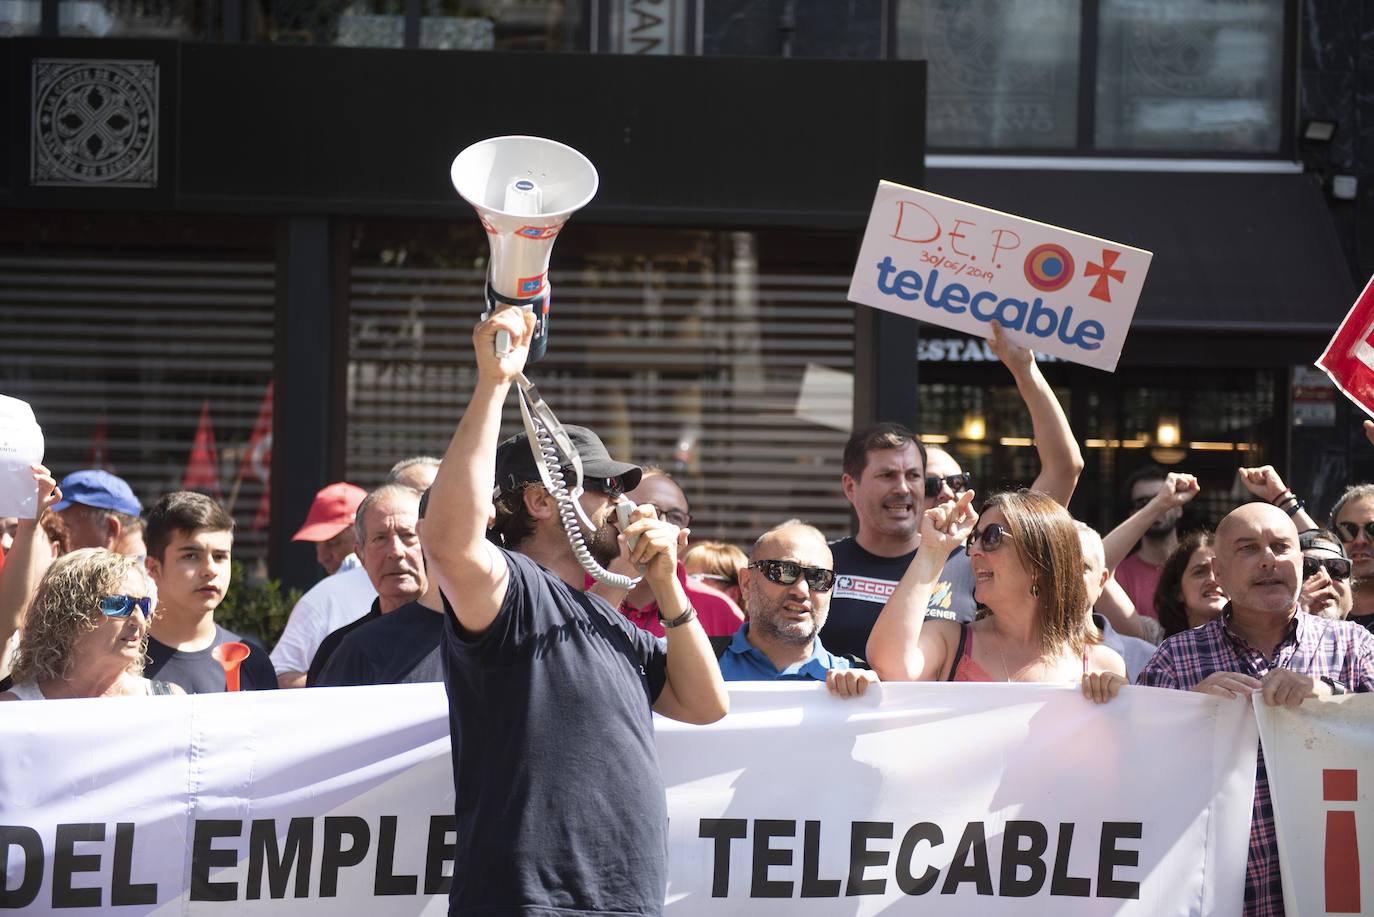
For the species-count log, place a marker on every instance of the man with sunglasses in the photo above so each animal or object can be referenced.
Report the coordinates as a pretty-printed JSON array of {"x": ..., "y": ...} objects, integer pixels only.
[
  {"x": 1352, "y": 519},
  {"x": 788, "y": 583},
  {"x": 559, "y": 802},
  {"x": 717, "y": 612},
  {"x": 891, "y": 478},
  {"x": 1325, "y": 575}
]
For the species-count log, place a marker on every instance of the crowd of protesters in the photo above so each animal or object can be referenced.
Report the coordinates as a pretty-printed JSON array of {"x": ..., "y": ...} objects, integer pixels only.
[{"x": 439, "y": 572}]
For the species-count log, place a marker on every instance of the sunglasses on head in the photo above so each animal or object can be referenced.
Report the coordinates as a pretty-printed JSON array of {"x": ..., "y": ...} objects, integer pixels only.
[
  {"x": 787, "y": 572},
  {"x": 121, "y": 606},
  {"x": 958, "y": 483},
  {"x": 1349, "y": 531},
  {"x": 1338, "y": 568},
  {"x": 989, "y": 539}
]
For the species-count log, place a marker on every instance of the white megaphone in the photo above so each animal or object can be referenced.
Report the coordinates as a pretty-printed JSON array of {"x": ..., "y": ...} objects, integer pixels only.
[{"x": 524, "y": 190}]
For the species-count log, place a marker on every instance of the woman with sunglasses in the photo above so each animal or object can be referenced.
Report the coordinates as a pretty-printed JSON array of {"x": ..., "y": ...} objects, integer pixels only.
[
  {"x": 86, "y": 632},
  {"x": 1188, "y": 594},
  {"x": 1027, "y": 562},
  {"x": 1325, "y": 590}
]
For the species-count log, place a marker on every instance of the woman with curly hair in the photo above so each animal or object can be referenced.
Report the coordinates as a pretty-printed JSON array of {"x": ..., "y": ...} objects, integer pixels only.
[
  {"x": 86, "y": 633},
  {"x": 1027, "y": 564}
]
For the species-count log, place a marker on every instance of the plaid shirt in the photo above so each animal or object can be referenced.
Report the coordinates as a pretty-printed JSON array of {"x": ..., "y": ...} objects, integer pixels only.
[{"x": 1314, "y": 646}]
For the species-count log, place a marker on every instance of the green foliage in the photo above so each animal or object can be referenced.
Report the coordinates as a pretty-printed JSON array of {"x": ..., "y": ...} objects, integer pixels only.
[{"x": 256, "y": 608}]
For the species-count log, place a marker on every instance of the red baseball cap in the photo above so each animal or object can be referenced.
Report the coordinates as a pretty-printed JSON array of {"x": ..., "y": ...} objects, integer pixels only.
[{"x": 331, "y": 512}]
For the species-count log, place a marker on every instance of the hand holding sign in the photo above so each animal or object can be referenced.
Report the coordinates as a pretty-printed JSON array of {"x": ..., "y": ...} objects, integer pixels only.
[
  {"x": 963, "y": 266},
  {"x": 21, "y": 448}
]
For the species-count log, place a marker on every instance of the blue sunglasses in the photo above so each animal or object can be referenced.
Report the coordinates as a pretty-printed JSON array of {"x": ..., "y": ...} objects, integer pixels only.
[{"x": 121, "y": 606}]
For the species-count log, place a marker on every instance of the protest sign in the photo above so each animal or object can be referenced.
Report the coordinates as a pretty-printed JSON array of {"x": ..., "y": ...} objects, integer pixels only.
[
  {"x": 962, "y": 266},
  {"x": 21, "y": 445},
  {"x": 1349, "y": 357},
  {"x": 913, "y": 799},
  {"x": 1320, "y": 758}
]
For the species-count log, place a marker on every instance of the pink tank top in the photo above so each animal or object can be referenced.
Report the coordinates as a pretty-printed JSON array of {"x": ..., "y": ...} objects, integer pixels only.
[{"x": 965, "y": 669}]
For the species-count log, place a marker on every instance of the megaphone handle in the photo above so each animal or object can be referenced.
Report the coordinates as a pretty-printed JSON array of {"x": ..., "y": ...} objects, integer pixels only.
[{"x": 502, "y": 344}]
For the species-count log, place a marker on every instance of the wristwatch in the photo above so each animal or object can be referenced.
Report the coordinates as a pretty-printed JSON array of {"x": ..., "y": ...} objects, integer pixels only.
[{"x": 1337, "y": 689}]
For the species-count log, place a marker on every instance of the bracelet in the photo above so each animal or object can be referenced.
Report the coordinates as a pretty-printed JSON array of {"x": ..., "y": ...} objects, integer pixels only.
[
  {"x": 1283, "y": 497},
  {"x": 680, "y": 620},
  {"x": 1297, "y": 505}
]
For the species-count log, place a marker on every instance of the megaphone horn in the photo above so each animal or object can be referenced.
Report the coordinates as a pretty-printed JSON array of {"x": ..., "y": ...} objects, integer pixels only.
[{"x": 524, "y": 189}]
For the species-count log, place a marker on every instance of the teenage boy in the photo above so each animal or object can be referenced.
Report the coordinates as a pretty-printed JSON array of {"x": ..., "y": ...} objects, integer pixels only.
[{"x": 190, "y": 538}]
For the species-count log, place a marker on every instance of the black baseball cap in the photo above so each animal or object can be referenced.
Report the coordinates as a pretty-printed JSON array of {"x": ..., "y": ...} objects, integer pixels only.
[{"x": 515, "y": 463}]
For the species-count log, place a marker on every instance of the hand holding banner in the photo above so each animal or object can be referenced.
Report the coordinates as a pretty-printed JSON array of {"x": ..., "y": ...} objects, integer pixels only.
[{"x": 961, "y": 266}]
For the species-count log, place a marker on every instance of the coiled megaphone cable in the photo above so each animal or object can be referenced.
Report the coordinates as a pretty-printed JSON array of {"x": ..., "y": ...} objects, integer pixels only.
[{"x": 550, "y": 445}]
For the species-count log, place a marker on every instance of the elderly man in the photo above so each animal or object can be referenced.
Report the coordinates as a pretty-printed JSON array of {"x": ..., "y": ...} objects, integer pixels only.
[
  {"x": 100, "y": 511},
  {"x": 390, "y": 546},
  {"x": 416, "y": 472},
  {"x": 788, "y": 583},
  {"x": 1325, "y": 575},
  {"x": 399, "y": 647},
  {"x": 550, "y": 688},
  {"x": 1262, "y": 644},
  {"x": 342, "y": 597},
  {"x": 1352, "y": 518}
]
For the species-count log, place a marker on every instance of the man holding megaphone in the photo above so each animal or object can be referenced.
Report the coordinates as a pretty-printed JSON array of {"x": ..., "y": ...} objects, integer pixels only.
[{"x": 559, "y": 803}]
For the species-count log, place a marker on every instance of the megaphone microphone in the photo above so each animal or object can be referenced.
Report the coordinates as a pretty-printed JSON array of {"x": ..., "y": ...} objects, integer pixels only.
[{"x": 524, "y": 189}]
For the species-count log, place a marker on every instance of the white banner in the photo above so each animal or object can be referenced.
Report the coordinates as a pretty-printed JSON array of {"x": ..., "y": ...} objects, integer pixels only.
[
  {"x": 961, "y": 266},
  {"x": 929, "y": 799},
  {"x": 1320, "y": 759}
]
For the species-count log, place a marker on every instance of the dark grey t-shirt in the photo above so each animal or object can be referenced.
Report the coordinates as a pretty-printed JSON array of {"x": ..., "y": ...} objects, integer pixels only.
[
  {"x": 198, "y": 672},
  {"x": 863, "y": 583},
  {"x": 560, "y": 806},
  {"x": 401, "y": 647}
]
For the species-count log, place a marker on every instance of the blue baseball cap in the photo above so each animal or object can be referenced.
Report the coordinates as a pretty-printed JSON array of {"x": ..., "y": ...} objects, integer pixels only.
[{"x": 100, "y": 489}]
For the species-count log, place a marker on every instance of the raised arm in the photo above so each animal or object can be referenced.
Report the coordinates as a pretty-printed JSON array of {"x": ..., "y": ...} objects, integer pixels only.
[
  {"x": 471, "y": 571},
  {"x": 900, "y": 648},
  {"x": 694, "y": 691},
  {"x": 1061, "y": 462},
  {"x": 1265, "y": 483},
  {"x": 1178, "y": 490},
  {"x": 23, "y": 565}
]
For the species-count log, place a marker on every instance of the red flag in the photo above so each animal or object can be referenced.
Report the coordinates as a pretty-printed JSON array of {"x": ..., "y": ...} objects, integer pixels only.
[
  {"x": 202, "y": 469},
  {"x": 257, "y": 459},
  {"x": 1349, "y": 358}
]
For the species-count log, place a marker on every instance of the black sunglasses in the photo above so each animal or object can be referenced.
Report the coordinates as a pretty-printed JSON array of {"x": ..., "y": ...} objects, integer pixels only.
[
  {"x": 989, "y": 539},
  {"x": 1338, "y": 568},
  {"x": 611, "y": 487},
  {"x": 787, "y": 572},
  {"x": 1349, "y": 531},
  {"x": 122, "y": 606},
  {"x": 958, "y": 483}
]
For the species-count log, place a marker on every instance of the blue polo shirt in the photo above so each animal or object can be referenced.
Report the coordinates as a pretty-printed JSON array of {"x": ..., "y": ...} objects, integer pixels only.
[{"x": 742, "y": 661}]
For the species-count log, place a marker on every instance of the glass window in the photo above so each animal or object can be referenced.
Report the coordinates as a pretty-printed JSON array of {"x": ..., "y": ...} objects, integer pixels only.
[
  {"x": 186, "y": 20},
  {"x": 1003, "y": 74},
  {"x": 501, "y": 25},
  {"x": 1189, "y": 75},
  {"x": 20, "y": 17},
  {"x": 359, "y": 24},
  {"x": 682, "y": 348}
]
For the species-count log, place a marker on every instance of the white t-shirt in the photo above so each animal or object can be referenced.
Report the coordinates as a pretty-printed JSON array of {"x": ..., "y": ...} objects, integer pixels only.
[{"x": 330, "y": 604}]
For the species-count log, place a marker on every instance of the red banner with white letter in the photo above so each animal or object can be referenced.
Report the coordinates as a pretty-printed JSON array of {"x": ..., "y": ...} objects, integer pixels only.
[{"x": 1349, "y": 358}]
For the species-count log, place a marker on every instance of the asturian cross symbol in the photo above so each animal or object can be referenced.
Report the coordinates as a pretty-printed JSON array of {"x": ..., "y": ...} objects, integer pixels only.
[{"x": 1105, "y": 273}]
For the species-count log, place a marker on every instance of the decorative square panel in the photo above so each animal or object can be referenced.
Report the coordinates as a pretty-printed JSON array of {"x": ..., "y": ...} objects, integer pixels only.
[{"x": 94, "y": 123}]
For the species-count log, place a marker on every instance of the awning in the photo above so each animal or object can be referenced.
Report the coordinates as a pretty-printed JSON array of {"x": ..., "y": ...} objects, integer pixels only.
[{"x": 1232, "y": 252}]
